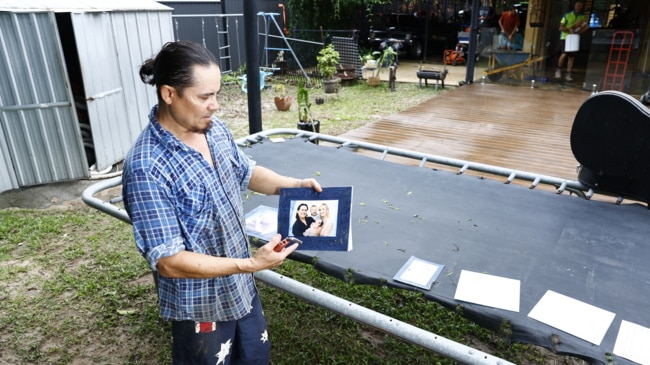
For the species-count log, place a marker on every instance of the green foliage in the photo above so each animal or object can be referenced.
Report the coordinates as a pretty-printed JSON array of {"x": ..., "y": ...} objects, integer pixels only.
[
  {"x": 80, "y": 288},
  {"x": 328, "y": 59},
  {"x": 304, "y": 106},
  {"x": 280, "y": 90},
  {"x": 365, "y": 55},
  {"x": 233, "y": 77},
  {"x": 385, "y": 58},
  {"x": 328, "y": 14}
]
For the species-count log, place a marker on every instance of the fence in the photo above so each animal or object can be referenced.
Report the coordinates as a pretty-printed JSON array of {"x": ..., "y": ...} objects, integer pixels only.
[{"x": 222, "y": 34}]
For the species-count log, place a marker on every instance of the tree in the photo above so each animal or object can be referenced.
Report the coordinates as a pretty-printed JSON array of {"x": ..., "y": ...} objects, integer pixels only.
[{"x": 313, "y": 14}]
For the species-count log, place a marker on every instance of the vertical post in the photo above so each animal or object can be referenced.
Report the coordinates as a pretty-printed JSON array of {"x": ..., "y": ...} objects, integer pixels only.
[
  {"x": 252, "y": 67},
  {"x": 426, "y": 31},
  {"x": 473, "y": 33}
]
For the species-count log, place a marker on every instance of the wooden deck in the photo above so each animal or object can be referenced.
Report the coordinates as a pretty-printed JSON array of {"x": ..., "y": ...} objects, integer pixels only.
[{"x": 508, "y": 126}]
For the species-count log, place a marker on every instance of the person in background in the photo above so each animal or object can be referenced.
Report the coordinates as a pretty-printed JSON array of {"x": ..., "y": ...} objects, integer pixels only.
[
  {"x": 573, "y": 22},
  {"x": 510, "y": 38},
  {"x": 182, "y": 184}
]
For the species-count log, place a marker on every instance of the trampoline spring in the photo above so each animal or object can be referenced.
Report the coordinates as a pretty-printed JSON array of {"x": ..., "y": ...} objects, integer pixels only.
[
  {"x": 511, "y": 177},
  {"x": 423, "y": 161},
  {"x": 560, "y": 190},
  {"x": 619, "y": 200},
  {"x": 463, "y": 169},
  {"x": 349, "y": 145},
  {"x": 590, "y": 193},
  {"x": 535, "y": 182}
]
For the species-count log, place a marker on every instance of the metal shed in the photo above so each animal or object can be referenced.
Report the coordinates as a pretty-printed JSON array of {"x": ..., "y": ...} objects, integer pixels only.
[{"x": 70, "y": 94}]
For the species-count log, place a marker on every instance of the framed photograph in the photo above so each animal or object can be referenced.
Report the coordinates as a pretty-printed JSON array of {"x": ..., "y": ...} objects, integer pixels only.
[{"x": 320, "y": 220}]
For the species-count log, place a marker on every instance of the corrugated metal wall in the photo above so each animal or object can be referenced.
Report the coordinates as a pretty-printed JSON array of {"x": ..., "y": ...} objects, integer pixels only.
[
  {"x": 137, "y": 46},
  {"x": 38, "y": 121},
  {"x": 39, "y": 127},
  {"x": 111, "y": 46},
  {"x": 7, "y": 176}
]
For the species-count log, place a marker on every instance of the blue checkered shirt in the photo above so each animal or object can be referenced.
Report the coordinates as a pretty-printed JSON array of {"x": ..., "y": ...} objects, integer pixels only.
[{"x": 177, "y": 202}]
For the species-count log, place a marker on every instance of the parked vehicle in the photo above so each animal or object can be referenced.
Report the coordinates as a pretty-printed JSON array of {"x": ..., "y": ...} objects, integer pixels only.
[
  {"x": 404, "y": 32},
  {"x": 487, "y": 17}
]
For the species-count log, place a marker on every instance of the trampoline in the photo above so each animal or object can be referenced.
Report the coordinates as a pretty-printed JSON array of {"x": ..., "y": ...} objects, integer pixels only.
[{"x": 594, "y": 251}]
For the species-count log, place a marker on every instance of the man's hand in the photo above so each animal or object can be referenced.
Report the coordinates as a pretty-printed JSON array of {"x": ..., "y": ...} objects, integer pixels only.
[
  {"x": 310, "y": 183},
  {"x": 266, "y": 258}
]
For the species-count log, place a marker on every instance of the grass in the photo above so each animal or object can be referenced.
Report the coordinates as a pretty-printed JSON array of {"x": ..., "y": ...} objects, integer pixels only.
[
  {"x": 74, "y": 290},
  {"x": 351, "y": 108}
]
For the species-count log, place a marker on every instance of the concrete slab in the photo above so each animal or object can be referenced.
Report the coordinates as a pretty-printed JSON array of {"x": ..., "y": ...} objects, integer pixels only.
[
  {"x": 44, "y": 196},
  {"x": 407, "y": 70}
]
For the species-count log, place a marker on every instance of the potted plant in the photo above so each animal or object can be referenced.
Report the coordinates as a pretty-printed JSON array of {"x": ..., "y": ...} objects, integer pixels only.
[
  {"x": 369, "y": 65},
  {"x": 328, "y": 59},
  {"x": 385, "y": 59},
  {"x": 281, "y": 99},
  {"x": 305, "y": 120}
]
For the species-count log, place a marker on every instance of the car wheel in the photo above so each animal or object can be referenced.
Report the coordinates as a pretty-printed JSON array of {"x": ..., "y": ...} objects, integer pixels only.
[{"x": 416, "y": 50}]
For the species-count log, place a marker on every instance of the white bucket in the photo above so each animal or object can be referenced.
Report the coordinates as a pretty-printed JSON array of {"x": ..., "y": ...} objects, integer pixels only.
[{"x": 572, "y": 43}]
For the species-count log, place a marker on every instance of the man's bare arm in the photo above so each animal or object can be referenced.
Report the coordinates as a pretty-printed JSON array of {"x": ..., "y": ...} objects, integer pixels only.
[
  {"x": 186, "y": 264},
  {"x": 269, "y": 182}
]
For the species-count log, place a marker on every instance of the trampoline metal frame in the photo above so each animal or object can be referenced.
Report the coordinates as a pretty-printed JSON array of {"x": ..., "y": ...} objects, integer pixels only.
[
  {"x": 405, "y": 331},
  {"x": 560, "y": 184}
]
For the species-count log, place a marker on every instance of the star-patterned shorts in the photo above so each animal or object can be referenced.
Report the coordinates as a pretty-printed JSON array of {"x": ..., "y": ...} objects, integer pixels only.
[{"x": 244, "y": 341}]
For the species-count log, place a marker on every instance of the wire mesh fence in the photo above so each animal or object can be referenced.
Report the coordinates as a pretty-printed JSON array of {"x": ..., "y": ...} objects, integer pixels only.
[{"x": 297, "y": 61}]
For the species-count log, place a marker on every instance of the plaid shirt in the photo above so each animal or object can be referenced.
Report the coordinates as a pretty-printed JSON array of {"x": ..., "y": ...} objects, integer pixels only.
[{"x": 177, "y": 201}]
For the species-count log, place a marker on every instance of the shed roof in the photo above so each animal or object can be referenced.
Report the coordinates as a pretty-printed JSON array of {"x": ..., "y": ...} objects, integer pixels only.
[{"x": 76, "y": 6}]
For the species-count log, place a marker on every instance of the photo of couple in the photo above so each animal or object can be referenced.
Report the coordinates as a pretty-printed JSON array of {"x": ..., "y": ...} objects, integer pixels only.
[{"x": 314, "y": 218}]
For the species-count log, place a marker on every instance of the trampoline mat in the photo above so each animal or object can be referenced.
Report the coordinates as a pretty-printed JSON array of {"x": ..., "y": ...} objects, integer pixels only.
[{"x": 595, "y": 252}]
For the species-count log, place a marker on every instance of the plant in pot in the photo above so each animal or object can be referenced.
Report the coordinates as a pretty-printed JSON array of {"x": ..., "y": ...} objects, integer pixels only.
[
  {"x": 281, "y": 99},
  {"x": 369, "y": 65},
  {"x": 385, "y": 59},
  {"x": 328, "y": 59},
  {"x": 305, "y": 120}
]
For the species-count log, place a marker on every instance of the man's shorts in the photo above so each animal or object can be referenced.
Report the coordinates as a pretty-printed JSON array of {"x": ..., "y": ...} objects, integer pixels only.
[{"x": 244, "y": 341}]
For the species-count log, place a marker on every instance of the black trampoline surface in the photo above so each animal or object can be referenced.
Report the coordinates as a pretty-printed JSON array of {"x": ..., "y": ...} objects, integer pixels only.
[{"x": 595, "y": 252}]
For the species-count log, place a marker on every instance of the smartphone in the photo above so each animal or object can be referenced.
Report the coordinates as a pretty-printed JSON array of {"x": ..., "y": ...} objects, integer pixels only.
[{"x": 287, "y": 241}]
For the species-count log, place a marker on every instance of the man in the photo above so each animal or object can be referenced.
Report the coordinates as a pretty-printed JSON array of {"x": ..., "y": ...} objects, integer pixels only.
[
  {"x": 573, "y": 22},
  {"x": 182, "y": 187},
  {"x": 509, "y": 22}
]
